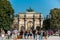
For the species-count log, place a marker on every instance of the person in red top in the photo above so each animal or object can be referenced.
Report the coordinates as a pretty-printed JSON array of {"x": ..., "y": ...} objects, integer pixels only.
[
  {"x": 59, "y": 33},
  {"x": 51, "y": 32}
]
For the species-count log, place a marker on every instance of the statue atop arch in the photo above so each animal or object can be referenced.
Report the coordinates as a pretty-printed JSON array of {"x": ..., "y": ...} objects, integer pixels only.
[{"x": 29, "y": 10}]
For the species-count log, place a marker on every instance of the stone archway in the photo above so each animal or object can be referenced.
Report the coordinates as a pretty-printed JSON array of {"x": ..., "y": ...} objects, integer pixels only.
[
  {"x": 22, "y": 28},
  {"x": 16, "y": 26},
  {"x": 38, "y": 28}
]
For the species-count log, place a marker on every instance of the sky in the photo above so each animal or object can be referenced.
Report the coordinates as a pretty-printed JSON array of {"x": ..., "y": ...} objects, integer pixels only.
[{"x": 42, "y": 6}]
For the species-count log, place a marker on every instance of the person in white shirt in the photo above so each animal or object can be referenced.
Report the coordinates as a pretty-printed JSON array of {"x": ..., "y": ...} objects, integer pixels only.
[
  {"x": 9, "y": 32},
  {"x": 15, "y": 32},
  {"x": 3, "y": 34}
]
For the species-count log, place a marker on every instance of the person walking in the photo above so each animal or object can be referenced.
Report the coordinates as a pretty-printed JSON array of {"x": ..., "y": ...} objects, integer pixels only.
[
  {"x": 3, "y": 34},
  {"x": 45, "y": 34},
  {"x": 15, "y": 32},
  {"x": 38, "y": 35},
  {"x": 41, "y": 35},
  {"x": 30, "y": 35},
  {"x": 21, "y": 34},
  {"x": 59, "y": 33},
  {"x": 25, "y": 34},
  {"x": 18, "y": 36},
  {"x": 34, "y": 33},
  {"x": 9, "y": 33}
]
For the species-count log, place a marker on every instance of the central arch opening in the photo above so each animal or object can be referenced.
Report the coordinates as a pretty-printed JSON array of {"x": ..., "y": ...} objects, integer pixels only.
[{"x": 29, "y": 25}]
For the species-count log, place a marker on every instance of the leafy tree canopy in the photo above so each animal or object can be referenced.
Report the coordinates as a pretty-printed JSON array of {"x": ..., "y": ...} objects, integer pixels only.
[
  {"x": 55, "y": 18},
  {"x": 6, "y": 14}
]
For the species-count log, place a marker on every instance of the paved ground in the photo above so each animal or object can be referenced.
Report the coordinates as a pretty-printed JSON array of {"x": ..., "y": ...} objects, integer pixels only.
[
  {"x": 49, "y": 38},
  {"x": 2, "y": 38},
  {"x": 53, "y": 38}
]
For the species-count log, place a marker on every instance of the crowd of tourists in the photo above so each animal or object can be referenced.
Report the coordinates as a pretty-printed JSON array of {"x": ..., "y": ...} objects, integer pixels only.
[{"x": 26, "y": 34}]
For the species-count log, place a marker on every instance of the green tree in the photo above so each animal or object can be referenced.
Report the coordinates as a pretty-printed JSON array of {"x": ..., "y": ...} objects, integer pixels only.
[
  {"x": 55, "y": 18},
  {"x": 6, "y": 14},
  {"x": 46, "y": 23}
]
